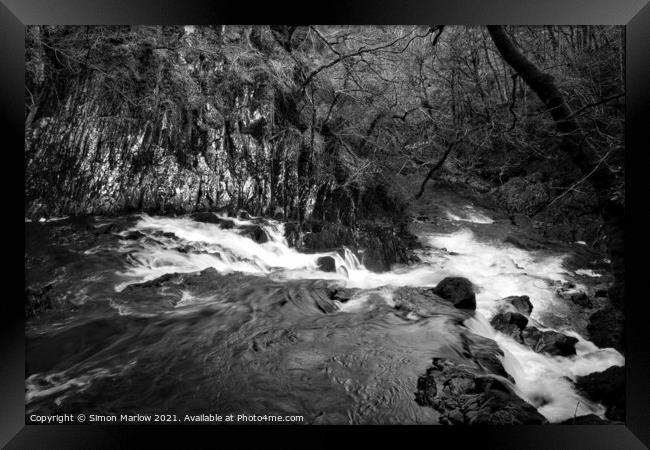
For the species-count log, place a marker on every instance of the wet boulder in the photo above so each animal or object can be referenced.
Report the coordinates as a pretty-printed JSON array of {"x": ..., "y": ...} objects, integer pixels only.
[
  {"x": 425, "y": 303},
  {"x": 549, "y": 342},
  {"x": 326, "y": 264},
  {"x": 457, "y": 290},
  {"x": 254, "y": 232},
  {"x": 521, "y": 303},
  {"x": 607, "y": 388},
  {"x": 165, "y": 234},
  {"x": 208, "y": 217},
  {"x": 244, "y": 215},
  {"x": 384, "y": 245},
  {"x": 606, "y": 328},
  {"x": 328, "y": 237},
  {"x": 511, "y": 324},
  {"x": 205, "y": 217},
  {"x": 465, "y": 394}
]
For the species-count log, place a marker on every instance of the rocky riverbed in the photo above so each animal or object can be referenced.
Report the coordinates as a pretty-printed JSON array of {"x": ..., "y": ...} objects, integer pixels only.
[{"x": 462, "y": 317}]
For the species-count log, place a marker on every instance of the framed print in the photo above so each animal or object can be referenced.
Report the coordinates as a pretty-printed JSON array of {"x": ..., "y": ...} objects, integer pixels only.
[{"x": 399, "y": 219}]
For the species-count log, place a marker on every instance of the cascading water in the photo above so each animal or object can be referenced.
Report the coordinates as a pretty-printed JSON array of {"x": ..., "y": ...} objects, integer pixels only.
[{"x": 158, "y": 246}]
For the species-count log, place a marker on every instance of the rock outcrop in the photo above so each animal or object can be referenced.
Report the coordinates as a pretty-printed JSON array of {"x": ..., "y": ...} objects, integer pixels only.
[{"x": 607, "y": 388}]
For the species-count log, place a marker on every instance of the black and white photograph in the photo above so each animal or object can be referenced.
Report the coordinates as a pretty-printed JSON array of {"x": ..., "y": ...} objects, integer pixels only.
[{"x": 325, "y": 224}]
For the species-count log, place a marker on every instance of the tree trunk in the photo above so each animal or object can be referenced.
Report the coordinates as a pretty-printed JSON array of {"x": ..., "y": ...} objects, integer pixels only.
[{"x": 575, "y": 145}]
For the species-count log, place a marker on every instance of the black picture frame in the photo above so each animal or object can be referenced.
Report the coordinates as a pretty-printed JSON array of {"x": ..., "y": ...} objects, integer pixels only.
[{"x": 635, "y": 14}]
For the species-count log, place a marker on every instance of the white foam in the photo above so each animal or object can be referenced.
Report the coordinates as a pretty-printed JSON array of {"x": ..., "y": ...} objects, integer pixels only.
[
  {"x": 588, "y": 273},
  {"x": 496, "y": 269},
  {"x": 469, "y": 214}
]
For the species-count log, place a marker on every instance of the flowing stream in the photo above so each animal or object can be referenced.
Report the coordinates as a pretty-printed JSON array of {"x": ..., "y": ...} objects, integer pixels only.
[{"x": 264, "y": 339}]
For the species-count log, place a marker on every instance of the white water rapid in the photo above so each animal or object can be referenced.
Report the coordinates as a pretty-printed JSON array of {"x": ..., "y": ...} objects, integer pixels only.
[{"x": 498, "y": 270}]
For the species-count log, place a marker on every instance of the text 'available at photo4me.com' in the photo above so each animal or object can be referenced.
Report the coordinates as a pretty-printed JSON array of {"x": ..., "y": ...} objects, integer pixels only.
[{"x": 209, "y": 418}]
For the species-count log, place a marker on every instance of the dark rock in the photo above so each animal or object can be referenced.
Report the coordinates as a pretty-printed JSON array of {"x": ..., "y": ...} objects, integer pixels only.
[
  {"x": 133, "y": 235},
  {"x": 511, "y": 324},
  {"x": 520, "y": 303},
  {"x": 581, "y": 299},
  {"x": 342, "y": 294},
  {"x": 486, "y": 353},
  {"x": 205, "y": 217},
  {"x": 292, "y": 234},
  {"x": 549, "y": 342},
  {"x": 244, "y": 215},
  {"x": 255, "y": 232},
  {"x": 600, "y": 293},
  {"x": 589, "y": 419},
  {"x": 379, "y": 244},
  {"x": 457, "y": 290},
  {"x": 326, "y": 264},
  {"x": 464, "y": 393},
  {"x": 166, "y": 234},
  {"x": 329, "y": 238},
  {"x": 425, "y": 303},
  {"x": 107, "y": 228},
  {"x": 608, "y": 388},
  {"x": 208, "y": 217},
  {"x": 606, "y": 328}
]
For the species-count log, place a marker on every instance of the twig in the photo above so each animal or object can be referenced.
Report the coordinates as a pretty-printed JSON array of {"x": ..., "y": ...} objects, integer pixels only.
[
  {"x": 591, "y": 105},
  {"x": 575, "y": 413},
  {"x": 572, "y": 187}
]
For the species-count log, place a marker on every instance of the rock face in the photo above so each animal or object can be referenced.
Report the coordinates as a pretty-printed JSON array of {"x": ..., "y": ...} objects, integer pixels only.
[
  {"x": 608, "y": 388},
  {"x": 510, "y": 323},
  {"x": 606, "y": 328},
  {"x": 550, "y": 342},
  {"x": 380, "y": 245},
  {"x": 465, "y": 394},
  {"x": 326, "y": 264},
  {"x": 457, "y": 290}
]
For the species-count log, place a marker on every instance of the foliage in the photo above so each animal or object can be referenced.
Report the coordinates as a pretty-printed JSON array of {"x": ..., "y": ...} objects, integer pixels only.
[{"x": 313, "y": 111}]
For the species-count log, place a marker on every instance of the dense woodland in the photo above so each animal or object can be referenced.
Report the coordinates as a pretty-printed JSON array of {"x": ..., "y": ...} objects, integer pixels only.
[{"x": 339, "y": 124}]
